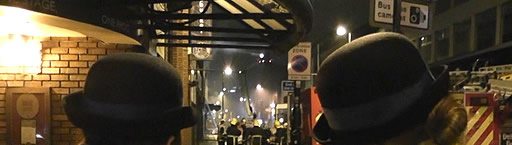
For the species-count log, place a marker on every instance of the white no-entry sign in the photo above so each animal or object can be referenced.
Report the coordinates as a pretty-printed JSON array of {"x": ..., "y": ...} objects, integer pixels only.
[{"x": 299, "y": 62}]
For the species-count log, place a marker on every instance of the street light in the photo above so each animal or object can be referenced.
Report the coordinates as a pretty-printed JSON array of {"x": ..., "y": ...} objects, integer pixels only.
[
  {"x": 258, "y": 87},
  {"x": 340, "y": 31},
  {"x": 262, "y": 55},
  {"x": 228, "y": 71}
]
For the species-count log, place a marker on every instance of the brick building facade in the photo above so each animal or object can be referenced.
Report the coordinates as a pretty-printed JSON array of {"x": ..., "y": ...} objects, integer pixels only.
[{"x": 65, "y": 64}]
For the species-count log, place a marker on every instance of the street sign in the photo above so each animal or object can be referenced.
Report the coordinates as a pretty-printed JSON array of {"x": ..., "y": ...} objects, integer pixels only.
[
  {"x": 287, "y": 86},
  {"x": 201, "y": 53},
  {"x": 413, "y": 15},
  {"x": 299, "y": 62}
]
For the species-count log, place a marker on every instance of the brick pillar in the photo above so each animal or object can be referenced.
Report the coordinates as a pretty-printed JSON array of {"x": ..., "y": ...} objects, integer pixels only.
[{"x": 178, "y": 57}]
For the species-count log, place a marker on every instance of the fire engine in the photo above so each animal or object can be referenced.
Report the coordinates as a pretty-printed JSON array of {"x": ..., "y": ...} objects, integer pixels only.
[{"x": 486, "y": 95}]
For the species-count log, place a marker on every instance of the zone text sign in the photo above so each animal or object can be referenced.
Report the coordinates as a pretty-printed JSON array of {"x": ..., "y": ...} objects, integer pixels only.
[
  {"x": 299, "y": 62},
  {"x": 413, "y": 15}
]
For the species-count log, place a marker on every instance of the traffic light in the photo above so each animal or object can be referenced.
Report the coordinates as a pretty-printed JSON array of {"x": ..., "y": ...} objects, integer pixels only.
[{"x": 264, "y": 61}]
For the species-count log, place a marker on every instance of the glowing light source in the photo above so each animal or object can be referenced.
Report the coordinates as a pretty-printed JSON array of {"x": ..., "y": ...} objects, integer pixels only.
[
  {"x": 259, "y": 87},
  {"x": 39, "y": 136},
  {"x": 20, "y": 40},
  {"x": 228, "y": 71},
  {"x": 262, "y": 55},
  {"x": 340, "y": 31},
  {"x": 20, "y": 52}
]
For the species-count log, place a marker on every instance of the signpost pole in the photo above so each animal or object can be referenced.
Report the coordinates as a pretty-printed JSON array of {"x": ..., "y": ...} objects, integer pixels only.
[
  {"x": 223, "y": 96},
  {"x": 296, "y": 121},
  {"x": 397, "y": 11}
]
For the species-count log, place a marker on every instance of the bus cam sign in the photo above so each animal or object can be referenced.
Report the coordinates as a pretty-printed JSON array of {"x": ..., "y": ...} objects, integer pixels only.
[{"x": 413, "y": 15}]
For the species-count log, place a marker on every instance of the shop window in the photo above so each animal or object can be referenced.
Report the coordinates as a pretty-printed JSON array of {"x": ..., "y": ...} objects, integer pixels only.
[
  {"x": 442, "y": 6},
  {"x": 507, "y": 22},
  {"x": 461, "y": 37},
  {"x": 425, "y": 43},
  {"x": 486, "y": 29},
  {"x": 459, "y": 2},
  {"x": 442, "y": 43}
]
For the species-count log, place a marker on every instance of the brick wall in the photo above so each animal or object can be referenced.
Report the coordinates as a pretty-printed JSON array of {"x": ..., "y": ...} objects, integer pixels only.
[
  {"x": 179, "y": 59},
  {"x": 66, "y": 61}
]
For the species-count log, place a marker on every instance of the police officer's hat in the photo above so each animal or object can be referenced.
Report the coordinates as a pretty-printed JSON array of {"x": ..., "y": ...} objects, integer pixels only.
[
  {"x": 374, "y": 88},
  {"x": 130, "y": 91}
]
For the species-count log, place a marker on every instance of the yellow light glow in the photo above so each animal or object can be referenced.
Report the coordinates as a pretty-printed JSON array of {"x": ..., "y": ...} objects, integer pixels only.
[
  {"x": 17, "y": 21},
  {"x": 20, "y": 51},
  {"x": 20, "y": 54}
]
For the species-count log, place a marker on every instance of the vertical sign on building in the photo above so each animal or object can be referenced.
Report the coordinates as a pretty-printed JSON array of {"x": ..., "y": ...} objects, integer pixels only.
[{"x": 299, "y": 62}]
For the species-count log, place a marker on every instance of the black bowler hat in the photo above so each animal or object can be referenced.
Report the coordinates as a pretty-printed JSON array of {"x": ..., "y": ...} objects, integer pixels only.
[
  {"x": 130, "y": 94},
  {"x": 374, "y": 88}
]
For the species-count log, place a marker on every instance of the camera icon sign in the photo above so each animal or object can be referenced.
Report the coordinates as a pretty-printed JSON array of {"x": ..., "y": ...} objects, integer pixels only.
[{"x": 416, "y": 15}]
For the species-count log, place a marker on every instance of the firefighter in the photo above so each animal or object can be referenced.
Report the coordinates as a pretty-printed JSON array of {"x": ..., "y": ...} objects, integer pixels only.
[
  {"x": 221, "y": 135},
  {"x": 378, "y": 90},
  {"x": 233, "y": 132},
  {"x": 280, "y": 134},
  {"x": 257, "y": 135}
]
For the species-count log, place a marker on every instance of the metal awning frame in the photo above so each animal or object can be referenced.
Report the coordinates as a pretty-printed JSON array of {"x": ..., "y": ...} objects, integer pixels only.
[{"x": 267, "y": 36}]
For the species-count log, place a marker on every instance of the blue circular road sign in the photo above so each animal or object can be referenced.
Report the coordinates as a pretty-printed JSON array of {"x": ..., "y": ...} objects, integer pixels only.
[{"x": 299, "y": 63}]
